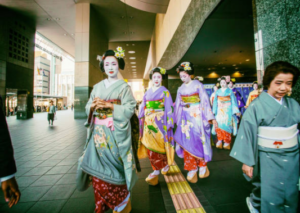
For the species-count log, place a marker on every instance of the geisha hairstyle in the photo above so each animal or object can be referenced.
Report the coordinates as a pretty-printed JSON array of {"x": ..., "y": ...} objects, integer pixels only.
[
  {"x": 160, "y": 70},
  {"x": 187, "y": 67},
  {"x": 217, "y": 85},
  {"x": 120, "y": 60},
  {"x": 222, "y": 78},
  {"x": 279, "y": 67}
]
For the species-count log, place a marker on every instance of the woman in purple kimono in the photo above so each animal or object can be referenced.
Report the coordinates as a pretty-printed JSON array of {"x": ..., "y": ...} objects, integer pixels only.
[
  {"x": 156, "y": 127},
  {"x": 192, "y": 114},
  {"x": 239, "y": 97}
]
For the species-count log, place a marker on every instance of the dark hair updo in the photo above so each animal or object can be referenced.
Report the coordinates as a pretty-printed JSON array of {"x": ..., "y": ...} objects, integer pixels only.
[
  {"x": 187, "y": 67},
  {"x": 279, "y": 67},
  {"x": 120, "y": 60},
  {"x": 160, "y": 70},
  {"x": 222, "y": 78}
]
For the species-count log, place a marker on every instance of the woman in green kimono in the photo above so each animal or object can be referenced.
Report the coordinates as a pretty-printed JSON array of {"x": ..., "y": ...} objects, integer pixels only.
[
  {"x": 268, "y": 145},
  {"x": 109, "y": 156}
]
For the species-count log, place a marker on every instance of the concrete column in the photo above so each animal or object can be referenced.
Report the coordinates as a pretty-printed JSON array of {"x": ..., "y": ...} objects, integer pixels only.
[{"x": 90, "y": 41}]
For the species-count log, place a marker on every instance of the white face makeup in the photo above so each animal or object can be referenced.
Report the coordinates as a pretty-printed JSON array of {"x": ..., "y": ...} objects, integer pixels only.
[
  {"x": 230, "y": 85},
  {"x": 156, "y": 79},
  {"x": 111, "y": 67},
  {"x": 223, "y": 84},
  {"x": 186, "y": 78},
  {"x": 255, "y": 86}
]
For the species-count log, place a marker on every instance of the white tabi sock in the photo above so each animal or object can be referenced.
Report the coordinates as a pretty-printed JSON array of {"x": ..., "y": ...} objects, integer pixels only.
[
  {"x": 192, "y": 172},
  {"x": 166, "y": 168},
  {"x": 156, "y": 172}
]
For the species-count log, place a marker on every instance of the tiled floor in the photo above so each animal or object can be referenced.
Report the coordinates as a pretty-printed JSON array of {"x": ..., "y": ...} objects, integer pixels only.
[{"x": 47, "y": 160}]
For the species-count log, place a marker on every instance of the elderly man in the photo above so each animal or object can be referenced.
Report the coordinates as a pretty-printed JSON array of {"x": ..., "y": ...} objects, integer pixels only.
[{"x": 7, "y": 164}]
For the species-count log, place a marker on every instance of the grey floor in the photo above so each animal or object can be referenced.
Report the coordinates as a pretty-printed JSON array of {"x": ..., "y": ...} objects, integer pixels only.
[{"x": 47, "y": 160}]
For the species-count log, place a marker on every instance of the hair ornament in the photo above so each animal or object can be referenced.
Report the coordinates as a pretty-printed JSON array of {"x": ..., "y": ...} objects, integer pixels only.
[
  {"x": 162, "y": 71},
  {"x": 120, "y": 53},
  {"x": 219, "y": 79},
  {"x": 233, "y": 80},
  {"x": 217, "y": 84},
  {"x": 199, "y": 78}
]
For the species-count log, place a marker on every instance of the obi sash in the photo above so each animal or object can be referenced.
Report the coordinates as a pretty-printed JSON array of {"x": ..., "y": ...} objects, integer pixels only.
[
  {"x": 278, "y": 137},
  {"x": 224, "y": 99},
  {"x": 190, "y": 100},
  {"x": 157, "y": 105},
  {"x": 107, "y": 113}
]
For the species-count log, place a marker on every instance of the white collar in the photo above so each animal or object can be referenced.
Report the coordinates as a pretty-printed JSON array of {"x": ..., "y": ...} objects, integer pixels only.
[
  {"x": 155, "y": 88},
  {"x": 108, "y": 84},
  {"x": 280, "y": 102}
]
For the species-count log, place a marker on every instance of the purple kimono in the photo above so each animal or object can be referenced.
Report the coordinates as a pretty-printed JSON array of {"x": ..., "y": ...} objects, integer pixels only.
[
  {"x": 192, "y": 113},
  {"x": 240, "y": 100}
]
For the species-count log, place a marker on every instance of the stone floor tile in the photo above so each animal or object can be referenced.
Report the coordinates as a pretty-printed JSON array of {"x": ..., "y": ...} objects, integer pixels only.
[
  {"x": 47, "y": 180},
  {"x": 19, "y": 208},
  {"x": 59, "y": 192},
  {"x": 47, "y": 206},
  {"x": 67, "y": 179},
  {"x": 26, "y": 181},
  {"x": 59, "y": 170},
  {"x": 38, "y": 171},
  {"x": 33, "y": 193},
  {"x": 79, "y": 205}
]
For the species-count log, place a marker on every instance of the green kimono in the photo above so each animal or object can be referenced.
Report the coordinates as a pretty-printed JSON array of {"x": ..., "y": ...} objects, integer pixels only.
[
  {"x": 276, "y": 171},
  {"x": 109, "y": 154}
]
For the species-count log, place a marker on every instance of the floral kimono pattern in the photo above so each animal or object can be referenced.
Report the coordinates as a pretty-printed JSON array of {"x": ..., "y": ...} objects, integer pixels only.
[
  {"x": 192, "y": 113},
  {"x": 225, "y": 107},
  {"x": 156, "y": 126}
]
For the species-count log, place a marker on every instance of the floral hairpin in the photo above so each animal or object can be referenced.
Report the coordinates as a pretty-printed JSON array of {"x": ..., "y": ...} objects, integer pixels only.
[
  {"x": 199, "y": 78},
  {"x": 162, "y": 71},
  {"x": 120, "y": 53},
  {"x": 217, "y": 84},
  {"x": 186, "y": 66},
  {"x": 233, "y": 80}
]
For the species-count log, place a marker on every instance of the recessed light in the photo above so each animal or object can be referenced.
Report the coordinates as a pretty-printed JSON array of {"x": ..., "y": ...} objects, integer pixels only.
[
  {"x": 133, "y": 62},
  {"x": 236, "y": 68},
  {"x": 133, "y": 69},
  {"x": 247, "y": 59},
  {"x": 72, "y": 34},
  {"x": 133, "y": 66},
  {"x": 132, "y": 58},
  {"x": 65, "y": 34},
  {"x": 131, "y": 52},
  {"x": 127, "y": 44},
  {"x": 234, "y": 65},
  {"x": 133, "y": 44}
]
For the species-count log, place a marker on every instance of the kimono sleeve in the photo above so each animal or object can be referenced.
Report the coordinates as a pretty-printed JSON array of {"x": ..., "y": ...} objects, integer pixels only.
[
  {"x": 142, "y": 116},
  {"x": 178, "y": 108},
  {"x": 169, "y": 110},
  {"x": 245, "y": 146},
  {"x": 89, "y": 103},
  {"x": 235, "y": 107},
  {"x": 205, "y": 103},
  {"x": 215, "y": 103}
]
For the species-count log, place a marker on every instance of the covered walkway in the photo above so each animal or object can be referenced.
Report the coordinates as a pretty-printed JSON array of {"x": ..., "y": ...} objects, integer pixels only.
[{"x": 47, "y": 160}]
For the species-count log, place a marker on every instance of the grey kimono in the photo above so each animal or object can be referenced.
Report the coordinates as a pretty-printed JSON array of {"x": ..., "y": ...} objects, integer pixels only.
[
  {"x": 109, "y": 155},
  {"x": 276, "y": 171}
]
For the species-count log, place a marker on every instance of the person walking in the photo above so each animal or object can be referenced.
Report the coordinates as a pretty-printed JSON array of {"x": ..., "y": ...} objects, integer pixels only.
[{"x": 51, "y": 113}]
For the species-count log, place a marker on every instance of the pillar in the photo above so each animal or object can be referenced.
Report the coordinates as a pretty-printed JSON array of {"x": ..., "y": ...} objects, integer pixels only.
[{"x": 90, "y": 41}]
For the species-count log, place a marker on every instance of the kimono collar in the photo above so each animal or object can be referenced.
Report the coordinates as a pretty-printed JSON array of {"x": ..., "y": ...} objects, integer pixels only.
[
  {"x": 280, "y": 102},
  {"x": 269, "y": 100}
]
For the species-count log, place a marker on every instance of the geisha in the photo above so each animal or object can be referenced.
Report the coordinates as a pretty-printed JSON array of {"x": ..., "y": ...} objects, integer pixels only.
[
  {"x": 212, "y": 97},
  {"x": 225, "y": 109},
  {"x": 268, "y": 143},
  {"x": 156, "y": 126},
  {"x": 252, "y": 95},
  {"x": 193, "y": 114},
  {"x": 109, "y": 157},
  {"x": 239, "y": 97}
]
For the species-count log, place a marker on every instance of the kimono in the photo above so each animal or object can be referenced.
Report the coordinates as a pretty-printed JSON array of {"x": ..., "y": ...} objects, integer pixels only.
[
  {"x": 156, "y": 128},
  {"x": 225, "y": 107},
  {"x": 109, "y": 157},
  {"x": 192, "y": 113},
  {"x": 251, "y": 97},
  {"x": 276, "y": 170},
  {"x": 240, "y": 100},
  {"x": 212, "y": 97}
]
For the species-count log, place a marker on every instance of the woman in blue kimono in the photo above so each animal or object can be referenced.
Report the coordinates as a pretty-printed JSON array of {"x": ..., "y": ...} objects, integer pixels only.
[
  {"x": 268, "y": 144},
  {"x": 239, "y": 97},
  {"x": 109, "y": 158},
  {"x": 226, "y": 111}
]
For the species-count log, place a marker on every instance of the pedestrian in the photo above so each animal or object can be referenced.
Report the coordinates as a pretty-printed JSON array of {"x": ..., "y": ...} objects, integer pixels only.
[
  {"x": 8, "y": 168},
  {"x": 268, "y": 145},
  {"x": 110, "y": 108},
  {"x": 72, "y": 107},
  {"x": 51, "y": 113}
]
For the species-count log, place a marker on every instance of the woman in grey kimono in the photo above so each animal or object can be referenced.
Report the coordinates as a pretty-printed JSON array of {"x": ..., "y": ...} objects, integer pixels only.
[
  {"x": 112, "y": 167},
  {"x": 268, "y": 145}
]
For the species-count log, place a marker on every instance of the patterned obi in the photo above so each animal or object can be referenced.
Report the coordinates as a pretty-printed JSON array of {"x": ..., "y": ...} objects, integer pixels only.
[
  {"x": 157, "y": 105},
  {"x": 107, "y": 113},
  {"x": 191, "y": 100},
  {"x": 253, "y": 97},
  {"x": 224, "y": 99}
]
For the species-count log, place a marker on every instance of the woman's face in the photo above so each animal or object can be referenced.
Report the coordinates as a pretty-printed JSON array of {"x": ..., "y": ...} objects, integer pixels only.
[
  {"x": 186, "y": 78},
  {"x": 156, "y": 79},
  {"x": 215, "y": 88},
  {"x": 281, "y": 85},
  {"x": 230, "y": 85},
  {"x": 255, "y": 86},
  {"x": 223, "y": 84},
  {"x": 111, "y": 66}
]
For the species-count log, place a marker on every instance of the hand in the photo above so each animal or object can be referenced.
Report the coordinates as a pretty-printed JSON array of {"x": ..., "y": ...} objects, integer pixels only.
[
  {"x": 215, "y": 123},
  {"x": 104, "y": 104},
  {"x": 11, "y": 191},
  {"x": 94, "y": 103},
  {"x": 248, "y": 170},
  {"x": 238, "y": 114}
]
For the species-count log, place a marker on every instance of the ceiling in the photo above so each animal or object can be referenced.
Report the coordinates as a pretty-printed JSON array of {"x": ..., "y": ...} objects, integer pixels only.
[
  {"x": 153, "y": 6},
  {"x": 134, "y": 62},
  {"x": 55, "y": 20},
  {"x": 225, "y": 43}
]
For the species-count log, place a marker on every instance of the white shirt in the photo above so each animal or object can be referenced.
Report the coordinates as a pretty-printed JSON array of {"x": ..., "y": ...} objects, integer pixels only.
[
  {"x": 6, "y": 178},
  {"x": 280, "y": 102}
]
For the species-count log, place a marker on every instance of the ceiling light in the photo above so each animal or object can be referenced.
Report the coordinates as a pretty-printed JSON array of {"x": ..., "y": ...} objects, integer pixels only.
[
  {"x": 236, "y": 68},
  {"x": 234, "y": 65},
  {"x": 133, "y": 66},
  {"x": 132, "y": 58},
  {"x": 133, "y": 69},
  {"x": 133, "y": 62},
  {"x": 133, "y": 44},
  {"x": 223, "y": 68},
  {"x": 72, "y": 34},
  {"x": 65, "y": 34},
  {"x": 127, "y": 44},
  {"x": 131, "y": 52},
  {"x": 247, "y": 59}
]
